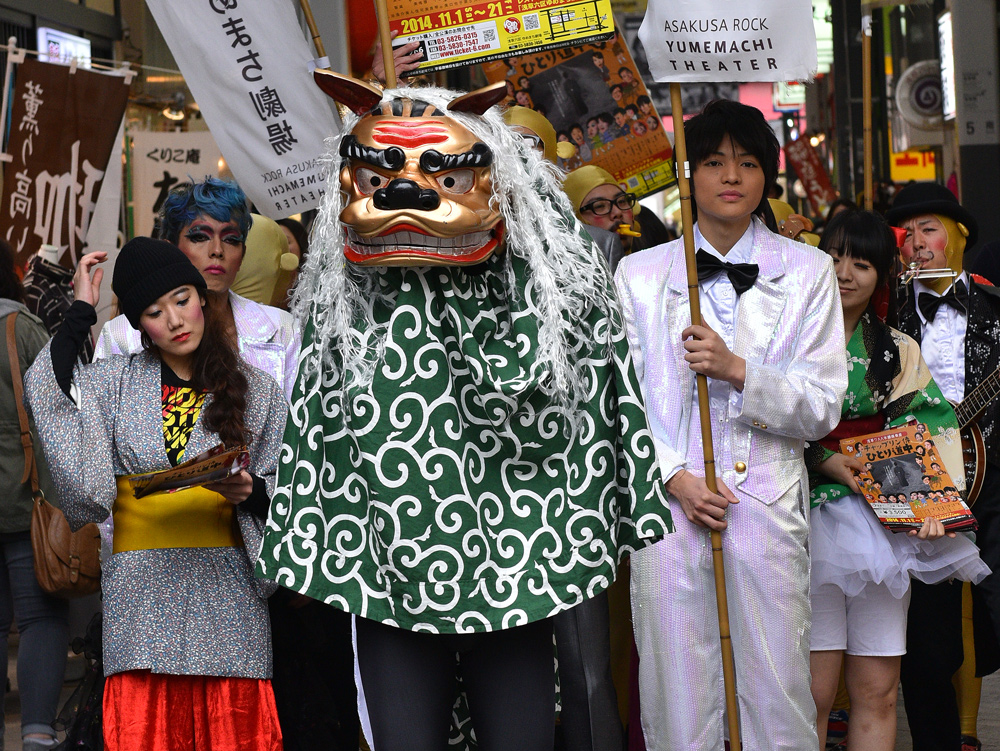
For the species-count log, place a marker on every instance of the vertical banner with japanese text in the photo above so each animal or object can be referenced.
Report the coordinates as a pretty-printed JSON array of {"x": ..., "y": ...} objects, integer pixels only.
[
  {"x": 809, "y": 167},
  {"x": 722, "y": 40},
  {"x": 163, "y": 161},
  {"x": 593, "y": 97},
  {"x": 247, "y": 64},
  {"x": 60, "y": 141}
]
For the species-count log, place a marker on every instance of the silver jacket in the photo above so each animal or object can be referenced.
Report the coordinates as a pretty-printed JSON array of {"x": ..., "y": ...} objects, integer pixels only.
[{"x": 789, "y": 329}]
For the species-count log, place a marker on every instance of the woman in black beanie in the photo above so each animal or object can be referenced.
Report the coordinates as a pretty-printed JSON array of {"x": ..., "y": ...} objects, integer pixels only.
[{"x": 186, "y": 637}]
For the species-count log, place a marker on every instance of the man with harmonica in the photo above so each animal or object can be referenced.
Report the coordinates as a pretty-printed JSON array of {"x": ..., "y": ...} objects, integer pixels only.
[{"x": 956, "y": 319}]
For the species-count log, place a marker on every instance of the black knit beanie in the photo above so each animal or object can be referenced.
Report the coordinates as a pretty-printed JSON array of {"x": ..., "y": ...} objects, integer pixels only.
[{"x": 147, "y": 269}]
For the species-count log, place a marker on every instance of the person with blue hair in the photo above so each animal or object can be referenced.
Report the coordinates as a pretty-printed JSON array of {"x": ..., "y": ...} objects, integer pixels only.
[
  {"x": 209, "y": 221},
  {"x": 221, "y": 200}
]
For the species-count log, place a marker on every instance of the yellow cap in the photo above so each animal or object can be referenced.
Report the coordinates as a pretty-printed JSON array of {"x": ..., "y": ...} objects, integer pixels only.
[
  {"x": 782, "y": 211},
  {"x": 580, "y": 182},
  {"x": 267, "y": 265},
  {"x": 541, "y": 127}
]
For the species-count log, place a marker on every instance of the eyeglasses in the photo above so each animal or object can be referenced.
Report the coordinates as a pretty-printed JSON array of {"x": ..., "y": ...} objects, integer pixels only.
[
  {"x": 602, "y": 206},
  {"x": 536, "y": 142}
]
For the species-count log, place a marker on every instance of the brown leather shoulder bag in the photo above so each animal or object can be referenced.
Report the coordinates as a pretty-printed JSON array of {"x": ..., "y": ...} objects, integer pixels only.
[{"x": 67, "y": 564}]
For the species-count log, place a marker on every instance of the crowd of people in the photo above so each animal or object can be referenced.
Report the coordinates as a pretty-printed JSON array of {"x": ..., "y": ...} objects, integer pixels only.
[{"x": 232, "y": 610}]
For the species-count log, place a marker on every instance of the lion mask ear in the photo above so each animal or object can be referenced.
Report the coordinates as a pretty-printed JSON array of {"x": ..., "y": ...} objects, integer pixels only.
[
  {"x": 478, "y": 101},
  {"x": 359, "y": 97}
]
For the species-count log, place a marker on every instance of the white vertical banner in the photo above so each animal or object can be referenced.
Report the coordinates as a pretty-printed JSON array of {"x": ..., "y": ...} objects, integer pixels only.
[
  {"x": 163, "y": 161},
  {"x": 247, "y": 64},
  {"x": 104, "y": 222},
  {"x": 689, "y": 41}
]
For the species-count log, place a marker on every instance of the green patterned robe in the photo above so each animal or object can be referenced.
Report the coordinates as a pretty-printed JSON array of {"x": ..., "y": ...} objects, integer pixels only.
[
  {"x": 886, "y": 373},
  {"x": 453, "y": 495}
]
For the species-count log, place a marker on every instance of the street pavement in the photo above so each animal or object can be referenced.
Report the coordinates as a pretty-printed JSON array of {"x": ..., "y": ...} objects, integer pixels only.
[{"x": 989, "y": 709}]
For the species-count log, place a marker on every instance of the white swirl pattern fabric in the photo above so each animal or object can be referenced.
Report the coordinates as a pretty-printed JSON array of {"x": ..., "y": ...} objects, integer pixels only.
[{"x": 451, "y": 494}]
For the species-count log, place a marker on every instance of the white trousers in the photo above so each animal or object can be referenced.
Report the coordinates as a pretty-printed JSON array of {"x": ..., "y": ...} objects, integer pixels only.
[{"x": 677, "y": 632}]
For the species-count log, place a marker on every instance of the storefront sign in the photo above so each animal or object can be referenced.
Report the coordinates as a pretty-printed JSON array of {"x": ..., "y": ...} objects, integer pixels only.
[
  {"x": 248, "y": 66},
  {"x": 63, "y": 125},
  {"x": 912, "y": 165},
  {"x": 719, "y": 40},
  {"x": 809, "y": 167},
  {"x": 594, "y": 97},
  {"x": 453, "y": 33},
  {"x": 162, "y": 162}
]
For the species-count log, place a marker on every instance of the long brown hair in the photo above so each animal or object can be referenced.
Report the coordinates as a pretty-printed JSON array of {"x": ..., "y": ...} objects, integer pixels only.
[{"x": 218, "y": 370}]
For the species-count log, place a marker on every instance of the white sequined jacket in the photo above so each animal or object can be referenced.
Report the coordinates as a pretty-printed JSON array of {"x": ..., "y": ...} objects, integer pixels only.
[{"x": 790, "y": 331}]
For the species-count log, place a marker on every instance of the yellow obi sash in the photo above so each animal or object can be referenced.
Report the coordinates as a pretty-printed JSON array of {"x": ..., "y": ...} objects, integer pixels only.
[{"x": 192, "y": 518}]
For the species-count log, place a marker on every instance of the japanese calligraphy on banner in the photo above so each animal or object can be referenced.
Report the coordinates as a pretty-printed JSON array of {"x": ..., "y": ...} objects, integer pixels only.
[
  {"x": 163, "y": 161},
  {"x": 722, "y": 40},
  {"x": 455, "y": 33},
  {"x": 594, "y": 97},
  {"x": 247, "y": 64},
  {"x": 60, "y": 142},
  {"x": 809, "y": 167}
]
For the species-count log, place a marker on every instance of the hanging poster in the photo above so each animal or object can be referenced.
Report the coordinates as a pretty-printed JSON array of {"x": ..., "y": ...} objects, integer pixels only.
[
  {"x": 809, "y": 167},
  {"x": 164, "y": 161},
  {"x": 721, "y": 40},
  {"x": 453, "y": 33},
  {"x": 248, "y": 66},
  {"x": 593, "y": 97},
  {"x": 59, "y": 145}
]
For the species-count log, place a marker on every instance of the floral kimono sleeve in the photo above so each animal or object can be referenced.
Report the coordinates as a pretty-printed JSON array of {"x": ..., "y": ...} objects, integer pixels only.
[
  {"x": 77, "y": 434},
  {"x": 916, "y": 396}
]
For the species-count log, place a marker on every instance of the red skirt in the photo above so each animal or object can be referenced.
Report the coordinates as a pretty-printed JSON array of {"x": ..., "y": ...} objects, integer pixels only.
[{"x": 146, "y": 711}]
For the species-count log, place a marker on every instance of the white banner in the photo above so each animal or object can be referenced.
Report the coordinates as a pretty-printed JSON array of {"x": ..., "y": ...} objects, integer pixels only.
[
  {"x": 163, "y": 161},
  {"x": 104, "y": 224},
  {"x": 689, "y": 41},
  {"x": 247, "y": 64}
]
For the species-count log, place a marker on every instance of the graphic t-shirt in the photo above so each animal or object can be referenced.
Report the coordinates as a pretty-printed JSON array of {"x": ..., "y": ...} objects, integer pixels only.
[{"x": 181, "y": 406}]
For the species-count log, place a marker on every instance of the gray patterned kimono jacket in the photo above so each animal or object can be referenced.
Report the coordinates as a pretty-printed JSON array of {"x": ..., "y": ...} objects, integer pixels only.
[{"x": 179, "y": 611}]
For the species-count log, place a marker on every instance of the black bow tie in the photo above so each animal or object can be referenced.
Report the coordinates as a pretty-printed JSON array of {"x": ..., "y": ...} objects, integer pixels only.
[
  {"x": 742, "y": 275},
  {"x": 957, "y": 297}
]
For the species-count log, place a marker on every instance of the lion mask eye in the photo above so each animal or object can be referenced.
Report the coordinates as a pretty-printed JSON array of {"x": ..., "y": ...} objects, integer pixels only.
[
  {"x": 457, "y": 181},
  {"x": 368, "y": 181}
]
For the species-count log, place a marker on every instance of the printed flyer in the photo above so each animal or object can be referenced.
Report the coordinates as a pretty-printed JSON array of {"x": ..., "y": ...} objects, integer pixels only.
[
  {"x": 211, "y": 465},
  {"x": 594, "y": 97},
  {"x": 904, "y": 479},
  {"x": 454, "y": 34}
]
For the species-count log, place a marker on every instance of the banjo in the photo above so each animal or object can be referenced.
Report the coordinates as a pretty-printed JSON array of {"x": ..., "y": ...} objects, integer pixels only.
[{"x": 973, "y": 446}]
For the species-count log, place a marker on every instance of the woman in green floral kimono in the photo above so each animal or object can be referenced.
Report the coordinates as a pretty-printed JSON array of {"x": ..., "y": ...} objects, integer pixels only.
[{"x": 860, "y": 571}]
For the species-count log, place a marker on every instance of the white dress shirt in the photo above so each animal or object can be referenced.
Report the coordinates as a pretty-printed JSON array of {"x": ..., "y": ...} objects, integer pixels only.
[
  {"x": 943, "y": 342},
  {"x": 718, "y": 312}
]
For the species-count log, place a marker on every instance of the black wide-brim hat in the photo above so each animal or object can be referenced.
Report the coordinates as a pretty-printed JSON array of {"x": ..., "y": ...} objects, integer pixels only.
[{"x": 917, "y": 199}]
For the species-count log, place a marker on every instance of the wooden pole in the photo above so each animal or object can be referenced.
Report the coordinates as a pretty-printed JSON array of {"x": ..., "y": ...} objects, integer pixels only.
[
  {"x": 866, "y": 103},
  {"x": 313, "y": 29},
  {"x": 722, "y": 602},
  {"x": 382, "y": 11}
]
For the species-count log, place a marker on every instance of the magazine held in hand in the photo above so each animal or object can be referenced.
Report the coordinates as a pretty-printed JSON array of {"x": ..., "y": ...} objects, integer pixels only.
[
  {"x": 209, "y": 466},
  {"x": 905, "y": 480}
]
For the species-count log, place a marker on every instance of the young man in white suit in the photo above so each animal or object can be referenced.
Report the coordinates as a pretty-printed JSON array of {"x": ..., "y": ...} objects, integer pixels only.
[{"x": 772, "y": 349}]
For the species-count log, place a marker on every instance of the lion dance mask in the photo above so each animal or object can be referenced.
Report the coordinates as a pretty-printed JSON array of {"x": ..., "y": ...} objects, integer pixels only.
[{"x": 467, "y": 448}]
